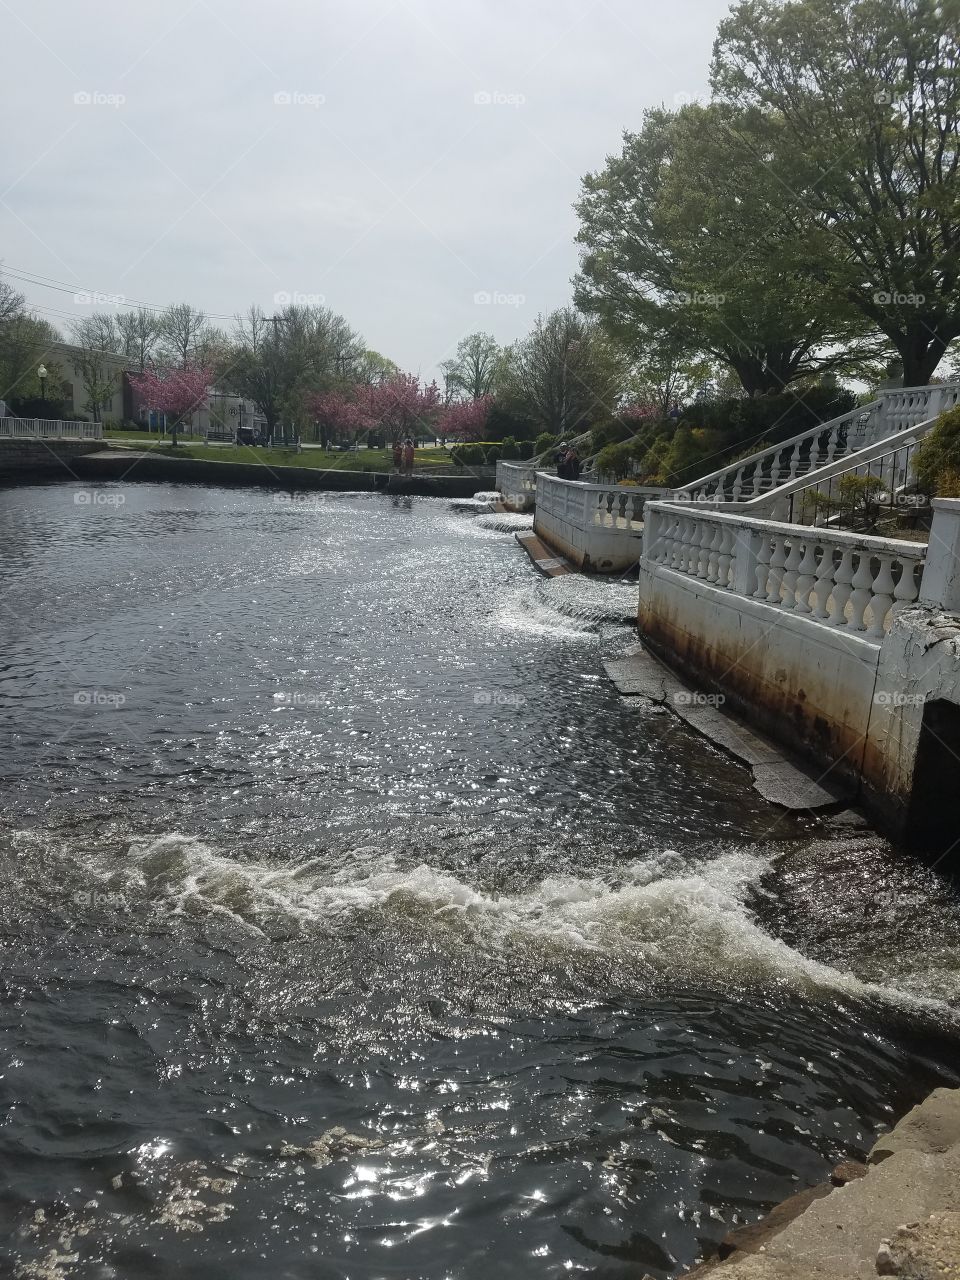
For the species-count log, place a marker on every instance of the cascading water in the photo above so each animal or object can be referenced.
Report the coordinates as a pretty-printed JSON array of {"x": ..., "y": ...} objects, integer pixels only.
[{"x": 355, "y": 926}]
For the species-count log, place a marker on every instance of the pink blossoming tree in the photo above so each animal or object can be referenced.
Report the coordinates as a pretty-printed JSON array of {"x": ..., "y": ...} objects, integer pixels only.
[
  {"x": 465, "y": 420},
  {"x": 339, "y": 413},
  {"x": 175, "y": 392},
  {"x": 401, "y": 406}
]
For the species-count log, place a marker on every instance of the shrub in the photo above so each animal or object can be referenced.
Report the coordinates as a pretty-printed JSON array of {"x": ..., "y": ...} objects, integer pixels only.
[
  {"x": 544, "y": 441},
  {"x": 525, "y": 449},
  {"x": 492, "y": 456},
  {"x": 863, "y": 499},
  {"x": 617, "y": 460},
  {"x": 937, "y": 463},
  {"x": 609, "y": 433},
  {"x": 508, "y": 449},
  {"x": 774, "y": 417}
]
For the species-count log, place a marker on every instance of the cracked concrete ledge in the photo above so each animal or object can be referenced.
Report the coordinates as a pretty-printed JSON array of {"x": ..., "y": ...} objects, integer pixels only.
[
  {"x": 898, "y": 1215},
  {"x": 639, "y": 676},
  {"x": 544, "y": 558}
]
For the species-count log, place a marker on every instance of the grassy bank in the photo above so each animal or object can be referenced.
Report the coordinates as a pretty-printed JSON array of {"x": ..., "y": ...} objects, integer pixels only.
[{"x": 426, "y": 461}]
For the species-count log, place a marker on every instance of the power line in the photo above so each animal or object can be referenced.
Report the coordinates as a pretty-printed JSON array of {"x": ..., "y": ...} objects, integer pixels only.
[{"x": 60, "y": 286}]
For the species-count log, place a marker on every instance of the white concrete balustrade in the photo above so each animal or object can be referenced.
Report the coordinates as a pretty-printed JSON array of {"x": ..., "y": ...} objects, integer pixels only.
[
  {"x": 596, "y": 526},
  {"x": 839, "y": 579},
  {"x": 49, "y": 429},
  {"x": 824, "y": 445},
  {"x": 517, "y": 484}
]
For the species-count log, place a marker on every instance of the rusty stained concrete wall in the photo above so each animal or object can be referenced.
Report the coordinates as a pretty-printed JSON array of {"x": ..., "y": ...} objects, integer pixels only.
[{"x": 852, "y": 706}]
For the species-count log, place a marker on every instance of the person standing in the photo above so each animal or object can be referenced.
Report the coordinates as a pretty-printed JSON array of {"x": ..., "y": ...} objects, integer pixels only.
[
  {"x": 397, "y": 456},
  {"x": 408, "y": 457}
]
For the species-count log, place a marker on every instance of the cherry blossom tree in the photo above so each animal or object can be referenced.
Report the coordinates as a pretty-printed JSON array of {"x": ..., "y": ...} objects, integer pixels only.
[
  {"x": 401, "y": 406},
  {"x": 175, "y": 392},
  {"x": 339, "y": 413},
  {"x": 465, "y": 420}
]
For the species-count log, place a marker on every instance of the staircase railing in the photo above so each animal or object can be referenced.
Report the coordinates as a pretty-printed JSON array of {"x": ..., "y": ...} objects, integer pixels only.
[{"x": 821, "y": 446}]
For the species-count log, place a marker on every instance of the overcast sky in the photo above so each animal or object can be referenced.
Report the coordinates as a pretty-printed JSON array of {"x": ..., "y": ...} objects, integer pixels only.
[{"x": 398, "y": 160}]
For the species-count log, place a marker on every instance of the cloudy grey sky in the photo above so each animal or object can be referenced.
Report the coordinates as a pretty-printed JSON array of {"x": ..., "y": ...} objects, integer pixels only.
[{"x": 393, "y": 158}]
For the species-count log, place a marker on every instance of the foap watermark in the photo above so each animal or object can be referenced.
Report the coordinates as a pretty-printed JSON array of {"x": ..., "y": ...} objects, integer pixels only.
[
  {"x": 295, "y": 98},
  {"x": 896, "y": 698},
  {"x": 284, "y": 298},
  {"x": 692, "y": 698},
  {"x": 87, "y": 299},
  {"x": 298, "y": 499},
  {"x": 97, "y": 98},
  {"x": 101, "y": 898},
  {"x": 493, "y": 698},
  {"x": 98, "y": 498},
  {"x": 297, "y": 698},
  {"x": 885, "y": 298},
  {"x": 99, "y": 698},
  {"x": 497, "y": 98},
  {"x": 497, "y": 298},
  {"x": 700, "y": 298}
]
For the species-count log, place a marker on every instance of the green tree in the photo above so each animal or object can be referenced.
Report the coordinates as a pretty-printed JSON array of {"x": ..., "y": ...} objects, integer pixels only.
[
  {"x": 687, "y": 250},
  {"x": 471, "y": 373},
  {"x": 565, "y": 375},
  {"x": 280, "y": 362},
  {"x": 866, "y": 96},
  {"x": 97, "y": 339}
]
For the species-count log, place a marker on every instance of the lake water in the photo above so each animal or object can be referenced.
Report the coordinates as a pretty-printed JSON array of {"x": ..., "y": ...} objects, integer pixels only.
[{"x": 353, "y": 925}]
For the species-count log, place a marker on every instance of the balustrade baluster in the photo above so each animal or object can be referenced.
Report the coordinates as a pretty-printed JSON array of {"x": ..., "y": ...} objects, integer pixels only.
[
  {"x": 725, "y": 555},
  {"x": 791, "y": 565},
  {"x": 842, "y": 578},
  {"x": 703, "y": 558},
  {"x": 777, "y": 562},
  {"x": 806, "y": 577},
  {"x": 906, "y": 590},
  {"x": 763, "y": 566},
  {"x": 713, "y": 557},
  {"x": 860, "y": 598},
  {"x": 882, "y": 590},
  {"x": 824, "y": 581}
]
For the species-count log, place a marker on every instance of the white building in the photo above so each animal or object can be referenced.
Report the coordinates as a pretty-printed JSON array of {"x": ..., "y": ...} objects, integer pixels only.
[{"x": 119, "y": 404}]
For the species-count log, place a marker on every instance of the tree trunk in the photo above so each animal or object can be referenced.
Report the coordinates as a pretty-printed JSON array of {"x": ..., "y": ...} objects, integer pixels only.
[{"x": 921, "y": 349}]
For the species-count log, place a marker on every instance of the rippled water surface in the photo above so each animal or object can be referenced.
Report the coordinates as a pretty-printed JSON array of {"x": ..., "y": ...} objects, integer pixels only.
[{"x": 355, "y": 927}]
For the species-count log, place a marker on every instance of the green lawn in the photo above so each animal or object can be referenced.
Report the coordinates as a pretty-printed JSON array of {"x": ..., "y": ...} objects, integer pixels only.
[{"x": 424, "y": 460}]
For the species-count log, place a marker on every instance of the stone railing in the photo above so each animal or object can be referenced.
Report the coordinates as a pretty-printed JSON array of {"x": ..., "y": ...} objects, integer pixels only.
[
  {"x": 907, "y": 406},
  {"x": 517, "y": 484},
  {"x": 889, "y": 461},
  {"x": 838, "y": 579},
  {"x": 49, "y": 429},
  {"x": 597, "y": 526},
  {"x": 782, "y": 464}
]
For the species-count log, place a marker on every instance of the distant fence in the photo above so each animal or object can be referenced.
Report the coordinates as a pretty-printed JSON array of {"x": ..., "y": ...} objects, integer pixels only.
[{"x": 48, "y": 429}]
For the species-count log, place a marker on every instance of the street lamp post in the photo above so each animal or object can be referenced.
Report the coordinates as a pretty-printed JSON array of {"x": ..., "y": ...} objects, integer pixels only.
[{"x": 42, "y": 375}]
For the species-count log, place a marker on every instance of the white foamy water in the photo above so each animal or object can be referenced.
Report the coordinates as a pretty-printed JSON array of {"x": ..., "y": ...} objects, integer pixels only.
[
  {"x": 664, "y": 917},
  {"x": 505, "y": 521}
]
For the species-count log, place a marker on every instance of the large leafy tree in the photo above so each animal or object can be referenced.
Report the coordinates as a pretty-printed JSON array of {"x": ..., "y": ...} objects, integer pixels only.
[
  {"x": 688, "y": 246},
  {"x": 282, "y": 362},
  {"x": 866, "y": 95},
  {"x": 566, "y": 375},
  {"x": 471, "y": 373}
]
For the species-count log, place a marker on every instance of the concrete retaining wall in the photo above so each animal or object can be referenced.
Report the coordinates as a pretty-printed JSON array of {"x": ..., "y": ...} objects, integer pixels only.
[
  {"x": 119, "y": 466},
  {"x": 805, "y": 684},
  {"x": 858, "y": 708},
  {"x": 29, "y": 457}
]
